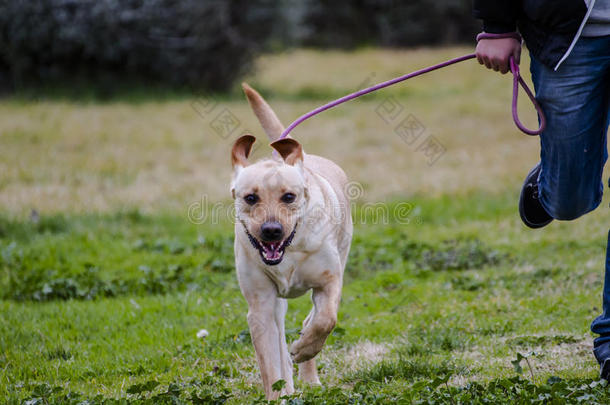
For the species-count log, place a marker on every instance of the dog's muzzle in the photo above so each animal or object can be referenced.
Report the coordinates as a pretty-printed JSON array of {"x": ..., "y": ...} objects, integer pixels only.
[{"x": 272, "y": 253}]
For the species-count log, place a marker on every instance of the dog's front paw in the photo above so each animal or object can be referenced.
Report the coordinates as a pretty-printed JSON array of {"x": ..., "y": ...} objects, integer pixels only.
[{"x": 303, "y": 350}]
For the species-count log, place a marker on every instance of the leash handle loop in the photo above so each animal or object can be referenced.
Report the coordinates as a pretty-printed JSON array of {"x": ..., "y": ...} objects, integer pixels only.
[{"x": 518, "y": 80}]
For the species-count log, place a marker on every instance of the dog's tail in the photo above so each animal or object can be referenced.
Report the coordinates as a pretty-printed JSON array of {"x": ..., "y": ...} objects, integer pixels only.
[{"x": 269, "y": 121}]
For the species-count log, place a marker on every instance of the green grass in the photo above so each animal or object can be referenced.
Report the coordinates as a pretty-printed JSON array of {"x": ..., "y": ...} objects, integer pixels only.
[{"x": 105, "y": 307}]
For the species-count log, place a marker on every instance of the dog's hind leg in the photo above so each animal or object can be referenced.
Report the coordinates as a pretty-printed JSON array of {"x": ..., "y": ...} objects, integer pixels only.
[
  {"x": 308, "y": 372},
  {"x": 286, "y": 361}
]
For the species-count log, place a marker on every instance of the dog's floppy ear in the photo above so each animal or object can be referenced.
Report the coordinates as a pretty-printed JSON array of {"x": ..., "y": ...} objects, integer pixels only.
[
  {"x": 241, "y": 150},
  {"x": 239, "y": 156},
  {"x": 290, "y": 150}
]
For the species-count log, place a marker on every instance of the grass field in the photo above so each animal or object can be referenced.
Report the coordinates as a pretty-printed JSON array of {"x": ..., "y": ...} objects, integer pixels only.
[{"x": 109, "y": 267}]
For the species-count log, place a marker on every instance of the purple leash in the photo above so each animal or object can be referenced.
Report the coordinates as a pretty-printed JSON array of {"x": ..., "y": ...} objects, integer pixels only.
[{"x": 516, "y": 81}]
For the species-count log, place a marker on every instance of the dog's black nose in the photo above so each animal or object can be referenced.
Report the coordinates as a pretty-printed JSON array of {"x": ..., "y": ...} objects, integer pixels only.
[{"x": 272, "y": 231}]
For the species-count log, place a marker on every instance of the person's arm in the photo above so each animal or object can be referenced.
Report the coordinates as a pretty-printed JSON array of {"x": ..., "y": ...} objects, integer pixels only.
[{"x": 499, "y": 17}]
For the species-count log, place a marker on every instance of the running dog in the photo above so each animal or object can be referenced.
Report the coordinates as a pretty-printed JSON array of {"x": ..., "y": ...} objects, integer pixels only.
[{"x": 293, "y": 232}]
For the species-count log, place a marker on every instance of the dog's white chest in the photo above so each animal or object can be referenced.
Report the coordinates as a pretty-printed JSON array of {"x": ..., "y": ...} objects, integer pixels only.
[{"x": 287, "y": 279}]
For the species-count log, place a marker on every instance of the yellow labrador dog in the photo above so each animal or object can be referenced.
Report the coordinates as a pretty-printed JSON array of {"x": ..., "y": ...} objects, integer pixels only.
[{"x": 292, "y": 234}]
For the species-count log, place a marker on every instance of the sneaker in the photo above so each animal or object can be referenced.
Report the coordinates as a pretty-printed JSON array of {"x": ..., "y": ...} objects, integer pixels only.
[{"x": 531, "y": 210}]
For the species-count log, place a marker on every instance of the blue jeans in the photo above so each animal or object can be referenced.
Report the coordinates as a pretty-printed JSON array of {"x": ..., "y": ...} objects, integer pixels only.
[{"x": 576, "y": 102}]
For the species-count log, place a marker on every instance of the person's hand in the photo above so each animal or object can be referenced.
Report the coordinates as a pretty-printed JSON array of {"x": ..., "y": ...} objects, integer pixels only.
[{"x": 495, "y": 53}]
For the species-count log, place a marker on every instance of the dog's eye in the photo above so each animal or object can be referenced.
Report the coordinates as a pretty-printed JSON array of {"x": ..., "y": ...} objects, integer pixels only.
[
  {"x": 288, "y": 198},
  {"x": 251, "y": 199}
]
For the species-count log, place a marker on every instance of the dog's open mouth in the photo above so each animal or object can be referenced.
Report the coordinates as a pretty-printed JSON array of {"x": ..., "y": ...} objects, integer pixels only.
[{"x": 272, "y": 253}]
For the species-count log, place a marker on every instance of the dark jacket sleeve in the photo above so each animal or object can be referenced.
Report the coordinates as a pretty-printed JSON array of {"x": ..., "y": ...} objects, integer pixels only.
[{"x": 498, "y": 16}]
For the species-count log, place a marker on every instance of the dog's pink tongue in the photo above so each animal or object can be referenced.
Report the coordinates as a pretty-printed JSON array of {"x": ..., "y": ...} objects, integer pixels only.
[{"x": 272, "y": 250}]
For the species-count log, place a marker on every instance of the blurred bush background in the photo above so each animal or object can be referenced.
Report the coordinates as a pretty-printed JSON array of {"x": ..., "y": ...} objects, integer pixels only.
[
  {"x": 200, "y": 44},
  {"x": 194, "y": 43},
  {"x": 386, "y": 23}
]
